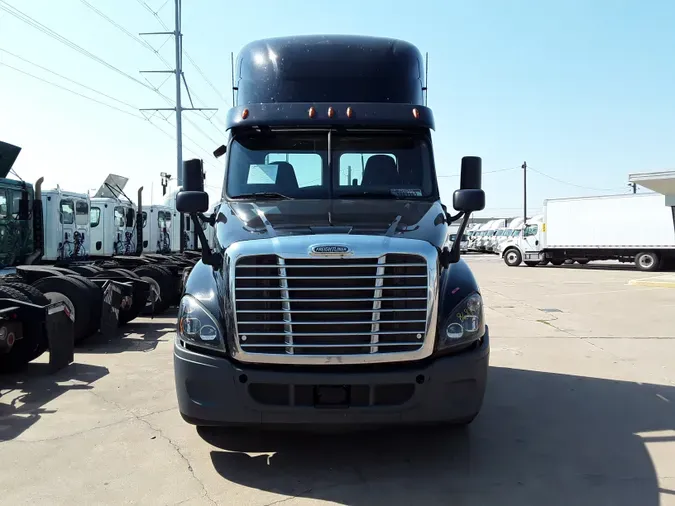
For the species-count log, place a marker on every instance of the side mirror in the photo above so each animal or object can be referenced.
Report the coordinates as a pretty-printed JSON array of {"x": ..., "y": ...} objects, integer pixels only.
[
  {"x": 470, "y": 197},
  {"x": 192, "y": 202},
  {"x": 193, "y": 175},
  {"x": 192, "y": 198},
  {"x": 468, "y": 201}
]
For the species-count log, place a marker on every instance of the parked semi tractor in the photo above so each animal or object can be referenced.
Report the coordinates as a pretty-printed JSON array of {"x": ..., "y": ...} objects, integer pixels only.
[
  {"x": 46, "y": 259},
  {"x": 328, "y": 296},
  {"x": 637, "y": 228}
]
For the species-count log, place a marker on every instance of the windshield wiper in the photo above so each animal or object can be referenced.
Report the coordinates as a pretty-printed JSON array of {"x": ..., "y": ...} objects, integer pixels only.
[{"x": 263, "y": 195}]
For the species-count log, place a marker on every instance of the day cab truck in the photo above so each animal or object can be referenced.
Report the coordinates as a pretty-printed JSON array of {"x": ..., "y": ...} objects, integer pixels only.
[
  {"x": 328, "y": 296},
  {"x": 637, "y": 228}
]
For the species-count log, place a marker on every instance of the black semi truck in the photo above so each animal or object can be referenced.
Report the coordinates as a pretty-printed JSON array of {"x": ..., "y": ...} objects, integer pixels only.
[{"x": 329, "y": 294}]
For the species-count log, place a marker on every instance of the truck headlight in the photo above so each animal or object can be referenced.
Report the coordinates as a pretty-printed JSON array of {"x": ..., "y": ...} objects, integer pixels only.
[
  {"x": 465, "y": 323},
  {"x": 197, "y": 326}
]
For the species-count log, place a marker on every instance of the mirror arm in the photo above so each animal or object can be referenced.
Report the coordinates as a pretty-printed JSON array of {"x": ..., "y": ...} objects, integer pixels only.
[
  {"x": 451, "y": 256},
  {"x": 208, "y": 257},
  {"x": 211, "y": 219},
  {"x": 451, "y": 219}
]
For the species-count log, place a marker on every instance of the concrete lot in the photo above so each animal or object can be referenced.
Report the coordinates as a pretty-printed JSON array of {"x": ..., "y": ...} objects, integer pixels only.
[{"x": 580, "y": 410}]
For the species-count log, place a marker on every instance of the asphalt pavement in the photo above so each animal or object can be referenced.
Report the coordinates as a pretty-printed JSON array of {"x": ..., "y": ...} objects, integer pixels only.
[{"x": 580, "y": 409}]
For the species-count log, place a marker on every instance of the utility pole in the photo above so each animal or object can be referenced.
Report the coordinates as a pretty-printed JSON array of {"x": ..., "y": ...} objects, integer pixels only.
[
  {"x": 524, "y": 167},
  {"x": 178, "y": 72}
]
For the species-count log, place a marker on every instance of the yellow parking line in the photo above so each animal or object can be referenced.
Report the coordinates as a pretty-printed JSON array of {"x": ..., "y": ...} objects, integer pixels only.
[{"x": 667, "y": 281}]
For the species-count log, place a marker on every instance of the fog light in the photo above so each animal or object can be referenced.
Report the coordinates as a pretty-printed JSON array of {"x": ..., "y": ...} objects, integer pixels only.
[{"x": 454, "y": 331}]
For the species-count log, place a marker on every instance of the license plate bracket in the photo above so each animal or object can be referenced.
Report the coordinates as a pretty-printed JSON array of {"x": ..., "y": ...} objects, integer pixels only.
[{"x": 332, "y": 396}]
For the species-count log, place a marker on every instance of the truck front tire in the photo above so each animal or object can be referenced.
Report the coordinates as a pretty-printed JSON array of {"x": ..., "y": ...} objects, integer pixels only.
[{"x": 512, "y": 257}]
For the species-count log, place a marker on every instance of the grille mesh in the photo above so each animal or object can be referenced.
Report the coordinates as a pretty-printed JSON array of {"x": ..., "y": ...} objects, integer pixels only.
[{"x": 331, "y": 306}]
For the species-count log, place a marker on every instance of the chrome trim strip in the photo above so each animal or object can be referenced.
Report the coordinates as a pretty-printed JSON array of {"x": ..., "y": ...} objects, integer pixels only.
[
  {"x": 334, "y": 300},
  {"x": 331, "y": 266},
  {"x": 362, "y": 246},
  {"x": 377, "y": 303},
  {"x": 286, "y": 306}
]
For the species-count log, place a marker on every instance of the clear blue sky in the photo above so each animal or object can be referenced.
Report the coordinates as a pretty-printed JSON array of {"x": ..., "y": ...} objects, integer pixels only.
[{"x": 582, "y": 90}]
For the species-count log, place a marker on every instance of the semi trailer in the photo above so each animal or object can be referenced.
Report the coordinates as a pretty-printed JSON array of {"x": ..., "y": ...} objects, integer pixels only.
[
  {"x": 637, "y": 228},
  {"x": 328, "y": 295}
]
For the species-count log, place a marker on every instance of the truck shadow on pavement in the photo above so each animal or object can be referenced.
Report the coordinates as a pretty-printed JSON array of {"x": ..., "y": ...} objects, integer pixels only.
[
  {"x": 24, "y": 395},
  {"x": 143, "y": 336},
  {"x": 541, "y": 438}
]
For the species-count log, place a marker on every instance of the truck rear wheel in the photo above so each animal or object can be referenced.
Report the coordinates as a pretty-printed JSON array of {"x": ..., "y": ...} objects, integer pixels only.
[
  {"x": 33, "y": 343},
  {"x": 129, "y": 313},
  {"x": 77, "y": 297},
  {"x": 582, "y": 261},
  {"x": 512, "y": 257},
  {"x": 530, "y": 263},
  {"x": 161, "y": 279},
  {"x": 557, "y": 261},
  {"x": 647, "y": 261},
  {"x": 97, "y": 302}
]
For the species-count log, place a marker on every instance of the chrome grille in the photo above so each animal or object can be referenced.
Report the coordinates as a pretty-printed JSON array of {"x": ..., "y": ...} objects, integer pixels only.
[{"x": 331, "y": 306}]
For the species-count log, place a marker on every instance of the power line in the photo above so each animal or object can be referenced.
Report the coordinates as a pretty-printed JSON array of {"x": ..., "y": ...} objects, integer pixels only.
[
  {"x": 69, "y": 90},
  {"x": 487, "y": 172},
  {"x": 571, "y": 184},
  {"x": 64, "y": 77},
  {"x": 56, "y": 36},
  {"x": 125, "y": 31},
  {"x": 148, "y": 120}
]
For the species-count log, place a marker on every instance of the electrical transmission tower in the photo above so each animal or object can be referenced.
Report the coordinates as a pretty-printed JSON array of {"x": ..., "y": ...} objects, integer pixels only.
[{"x": 178, "y": 71}]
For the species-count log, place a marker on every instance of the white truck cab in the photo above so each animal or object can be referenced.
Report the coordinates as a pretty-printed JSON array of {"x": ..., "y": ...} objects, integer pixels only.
[
  {"x": 513, "y": 249},
  {"x": 66, "y": 225},
  {"x": 158, "y": 223},
  {"x": 112, "y": 219}
]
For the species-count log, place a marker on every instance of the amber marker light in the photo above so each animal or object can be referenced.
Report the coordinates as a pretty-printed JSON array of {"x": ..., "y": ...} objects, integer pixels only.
[
  {"x": 350, "y": 112},
  {"x": 244, "y": 114},
  {"x": 331, "y": 112},
  {"x": 312, "y": 112},
  {"x": 416, "y": 113}
]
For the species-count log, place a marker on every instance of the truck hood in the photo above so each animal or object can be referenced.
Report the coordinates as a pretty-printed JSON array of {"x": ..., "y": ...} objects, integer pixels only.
[{"x": 239, "y": 221}]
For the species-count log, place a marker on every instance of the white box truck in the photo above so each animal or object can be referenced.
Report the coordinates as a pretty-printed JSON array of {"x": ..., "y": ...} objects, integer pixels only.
[{"x": 636, "y": 228}]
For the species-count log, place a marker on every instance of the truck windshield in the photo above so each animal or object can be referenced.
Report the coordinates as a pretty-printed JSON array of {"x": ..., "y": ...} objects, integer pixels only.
[{"x": 362, "y": 165}]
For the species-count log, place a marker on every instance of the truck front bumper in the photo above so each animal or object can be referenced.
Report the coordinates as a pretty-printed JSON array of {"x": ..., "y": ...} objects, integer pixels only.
[{"x": 215, "y": 391}]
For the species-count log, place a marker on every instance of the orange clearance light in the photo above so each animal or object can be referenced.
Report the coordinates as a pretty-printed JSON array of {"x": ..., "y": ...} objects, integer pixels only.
[
  {"x": 331, "y": 112},
  {"x": 244, "y": 114},
  {"x": 416, "y": 113},
  {"x": 350, "y": 113},
  {"x": 312, "y": 112}
]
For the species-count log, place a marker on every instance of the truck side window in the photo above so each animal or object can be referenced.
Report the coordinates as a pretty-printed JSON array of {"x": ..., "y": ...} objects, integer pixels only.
[
  {"x": 94, "y": 216},
  {"x": 145, "y": 218},
  {"x": 161, "y": 219},
  {"x": 82, "y": 213},
  {"x": 130, "y": 217},
  {"x": 67, "y": 212},
  {"x": 3, "y": 205},
  {"x": 16, "y": 203},
  {"x": 531, "y": 230},
  {"x": 119, "y": 216}
]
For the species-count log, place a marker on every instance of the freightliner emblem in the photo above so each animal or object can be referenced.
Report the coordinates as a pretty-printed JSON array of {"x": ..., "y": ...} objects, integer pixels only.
[{"x": 330, "y": 250}]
